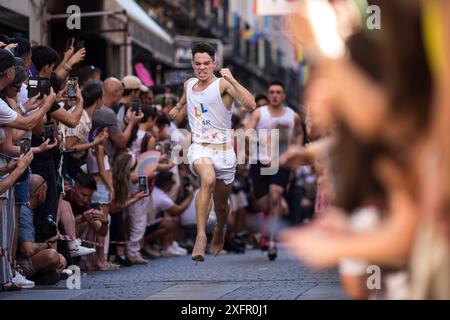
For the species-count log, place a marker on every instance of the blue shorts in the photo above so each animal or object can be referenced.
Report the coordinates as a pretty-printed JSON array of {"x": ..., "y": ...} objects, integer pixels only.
[{"x": 21, "y": 189}]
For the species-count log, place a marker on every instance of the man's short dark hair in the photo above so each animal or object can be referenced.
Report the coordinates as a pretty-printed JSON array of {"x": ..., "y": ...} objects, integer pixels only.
[
  {"x": 92, "y": 91},
  {"x": 86, "y": 181},
  {"x": 203, "y": 47},
  {"x": 23, "y": 46},
  {"x": 163, "y": 178},
  {"x": 162, "y": 120},
  {"x": 260, "y": 96},
  {"x": 277, "y": 83},
  {"x": 149, "y": 112},
  {"x": 43, "y": 56}
]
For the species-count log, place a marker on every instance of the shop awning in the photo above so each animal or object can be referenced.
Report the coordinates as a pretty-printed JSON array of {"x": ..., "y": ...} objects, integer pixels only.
[{"x": 146, "y": 32}]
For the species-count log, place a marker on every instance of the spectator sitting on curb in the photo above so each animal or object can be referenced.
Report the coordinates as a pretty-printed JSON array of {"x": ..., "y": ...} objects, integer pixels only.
[
  {"x": 37, "y": 259},
  {"x": 77, "y": 204}
]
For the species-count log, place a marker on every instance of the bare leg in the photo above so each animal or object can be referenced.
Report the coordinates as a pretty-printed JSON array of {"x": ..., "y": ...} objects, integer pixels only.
[
  {"x": 205, "y": 170},
  {"x": 68, "y": 220},
  {"x": 46, "y": 260},
  {"x": 222, "y": 209},
  {"x": 16, "y": 232},
  {"x": 101, "y": 241},
  {"x": 275, "y": 197}
]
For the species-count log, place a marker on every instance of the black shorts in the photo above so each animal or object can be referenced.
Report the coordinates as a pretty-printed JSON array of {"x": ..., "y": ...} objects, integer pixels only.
[
  {"x": 261, "y": 183},
  {"x": 152, "y": 227}
]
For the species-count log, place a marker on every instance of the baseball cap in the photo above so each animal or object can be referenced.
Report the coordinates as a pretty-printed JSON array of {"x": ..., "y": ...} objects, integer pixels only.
[
  {"x": 21, "y": 75},
  {"x": 133, "y": 83},
  {"x": 6, "y": 60}
]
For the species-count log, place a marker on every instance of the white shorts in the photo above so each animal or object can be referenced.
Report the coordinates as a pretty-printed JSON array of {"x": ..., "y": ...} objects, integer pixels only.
[{"x": 224, "y": 161}]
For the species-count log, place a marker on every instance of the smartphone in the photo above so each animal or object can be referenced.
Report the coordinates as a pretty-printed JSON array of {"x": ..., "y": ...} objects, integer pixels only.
[
  {"x": 33, "y": 87},
  {"x": 143, "y": 184},
  {"x": 72, "y": 83},
  {"x": 96, "y": 206},
  {"x": 25, "y": 145},
  {"x": 49, "y": 132},
  {"x": 69, "y": 43},
  {"x": 45, "y": 86},
  {"x": 38, "y": 85},
  {"x": 136, "y": 106},
  {"x": 79, "y": 45}
]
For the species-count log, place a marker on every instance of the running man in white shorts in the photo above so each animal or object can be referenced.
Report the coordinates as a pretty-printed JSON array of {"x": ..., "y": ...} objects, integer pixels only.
[{"x": 208, "y": 101}]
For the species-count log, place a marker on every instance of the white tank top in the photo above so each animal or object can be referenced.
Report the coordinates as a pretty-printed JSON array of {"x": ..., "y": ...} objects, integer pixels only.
[
  {"x": 285, "y": 123},
  {"x": 209, "y": 119}
]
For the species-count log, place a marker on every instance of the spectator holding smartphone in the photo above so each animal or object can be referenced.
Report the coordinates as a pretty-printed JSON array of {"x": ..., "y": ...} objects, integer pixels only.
[{"x": 77, "y": 138}]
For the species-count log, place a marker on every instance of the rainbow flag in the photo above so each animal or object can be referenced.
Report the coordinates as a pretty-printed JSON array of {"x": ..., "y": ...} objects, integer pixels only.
[
  {"x": 252, "y": 36},
  {"x": 303, "y": 73},
  {"x": 147, "y": 163},
  {"x": 247, "y": 34},
  {"x": 299, "y": 53},
  {"x": 233, "y": 20}
]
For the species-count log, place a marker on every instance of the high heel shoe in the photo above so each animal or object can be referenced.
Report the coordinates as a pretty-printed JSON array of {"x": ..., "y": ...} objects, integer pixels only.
[
  {"x": 198, "y": 253},
  {"x": 217, "y": 241}
]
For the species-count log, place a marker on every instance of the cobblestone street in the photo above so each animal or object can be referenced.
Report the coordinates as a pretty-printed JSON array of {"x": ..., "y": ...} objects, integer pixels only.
[{"x": 249, "y": 276}]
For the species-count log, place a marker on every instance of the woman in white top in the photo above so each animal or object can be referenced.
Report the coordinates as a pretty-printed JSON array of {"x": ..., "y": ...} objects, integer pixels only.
[{"x": 77, "y": 138}]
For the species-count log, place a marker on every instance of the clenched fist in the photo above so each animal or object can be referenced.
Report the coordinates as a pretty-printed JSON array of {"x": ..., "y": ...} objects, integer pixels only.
[{"x": 226, "y": 74}]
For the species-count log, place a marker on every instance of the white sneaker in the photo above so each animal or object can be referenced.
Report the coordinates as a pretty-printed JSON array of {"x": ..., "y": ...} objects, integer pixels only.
[
  {"x": 79, "y": 251},
  {"x": 181, "y": 251},
  {"x": 176, "y": 247},
  {"x": 22, "y": 282},
  {"x": 68, "y": 272},
  {"x": 170, "y": 252}
]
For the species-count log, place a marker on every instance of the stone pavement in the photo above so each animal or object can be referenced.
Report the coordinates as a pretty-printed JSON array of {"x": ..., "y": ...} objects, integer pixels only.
[{"x": 249, "y": 276}]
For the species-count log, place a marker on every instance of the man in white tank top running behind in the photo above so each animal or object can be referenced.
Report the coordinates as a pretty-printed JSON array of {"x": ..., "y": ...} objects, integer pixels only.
[
  {"x": 208, "y": 101},
  {"x": 268, "y": 189}
]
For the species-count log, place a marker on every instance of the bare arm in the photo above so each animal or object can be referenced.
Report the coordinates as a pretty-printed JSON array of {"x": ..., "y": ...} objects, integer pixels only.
[
  {"x": 178, "y": 113},
  {"x": 114, "y": 206},
  {"x": 121, "y": 139},
  {"x": 254, "y": 118},
  {"x": 29, "y": 249},
  {"x": 301, "y": 155},
  {"x": 364, "y": 107},
  {"x": 28, "y": 123},
  {"x": 61, "y": 71},
  {"x": 236, "y": 90},
  {"x": 73, "y": 143},
  {"x": 106, "y": 176},
  {"x": 22, "y": 164},
  {"x": 69, "y": 119},
  {"x": 178, "y": 209},
  {"x": 299, "y": 134}
]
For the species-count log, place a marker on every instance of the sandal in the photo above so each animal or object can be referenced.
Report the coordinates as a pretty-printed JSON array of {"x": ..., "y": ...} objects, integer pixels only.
[
  {"x": 198, "y": 253},
  {"x": 217, "y": 241}
]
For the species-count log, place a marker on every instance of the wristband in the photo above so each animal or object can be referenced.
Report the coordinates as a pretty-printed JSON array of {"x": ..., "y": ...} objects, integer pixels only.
[
  {"x": 22, "y": 108},
  {"x": 68, "y": 67}
]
